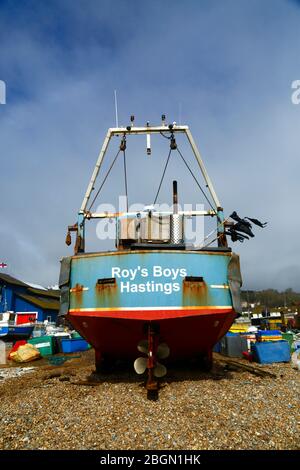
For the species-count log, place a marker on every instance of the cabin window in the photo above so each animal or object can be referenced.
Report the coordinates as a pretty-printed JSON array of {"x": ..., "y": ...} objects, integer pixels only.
[
  {"x": 1, "y": 316},
  {"x": 12, "y": 317},
  {"x": 49, "y": 318}
]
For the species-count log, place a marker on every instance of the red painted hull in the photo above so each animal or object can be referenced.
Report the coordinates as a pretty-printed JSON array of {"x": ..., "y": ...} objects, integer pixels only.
[{"x": 187, "y": 332}]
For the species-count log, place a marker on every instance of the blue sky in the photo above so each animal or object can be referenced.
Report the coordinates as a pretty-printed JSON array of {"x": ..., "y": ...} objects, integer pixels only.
[{"x": 229, "y": 65}]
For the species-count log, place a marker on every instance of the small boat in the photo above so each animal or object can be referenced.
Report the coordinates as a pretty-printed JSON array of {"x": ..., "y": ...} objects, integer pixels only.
[
  {"x": 156, "y": 293},
  {"x": 14, "y": 326}
]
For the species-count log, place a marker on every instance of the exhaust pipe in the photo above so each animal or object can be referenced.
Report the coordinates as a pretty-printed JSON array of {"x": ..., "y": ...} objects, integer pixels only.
[{"x": 177, "y": 232}]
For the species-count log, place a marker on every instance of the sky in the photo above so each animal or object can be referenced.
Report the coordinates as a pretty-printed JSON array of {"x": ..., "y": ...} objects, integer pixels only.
[{"x": 223, "y": 68}]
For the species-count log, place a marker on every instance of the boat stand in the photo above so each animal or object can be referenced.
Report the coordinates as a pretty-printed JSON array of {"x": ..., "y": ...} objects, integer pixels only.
[{"x": 152, "y": 385}]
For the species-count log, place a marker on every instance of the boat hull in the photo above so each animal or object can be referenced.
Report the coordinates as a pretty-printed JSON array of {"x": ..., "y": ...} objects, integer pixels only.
[
  {"x": 15, "y": 332},
  {"x": 186, "y": 336},
  {"x": 114, "y": 296}
]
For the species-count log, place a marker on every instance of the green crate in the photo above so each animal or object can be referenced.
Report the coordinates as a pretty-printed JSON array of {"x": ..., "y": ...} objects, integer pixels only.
[
  {"x": 76, "y": 335},
  {"x": 289, "y": 337},
  {"x": 44, "y": 344}
]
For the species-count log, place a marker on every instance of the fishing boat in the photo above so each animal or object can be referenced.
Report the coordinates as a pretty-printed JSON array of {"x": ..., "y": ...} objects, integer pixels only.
[
  {"x": 14, "y": 326},
  {"x": 156, "y": 295}
]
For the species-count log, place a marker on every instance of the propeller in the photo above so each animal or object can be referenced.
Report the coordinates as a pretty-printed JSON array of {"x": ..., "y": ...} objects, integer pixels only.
[
  {"x": 143, "y": 346},
  {"x": 140, "y": 364},
  {"x": 159, "y": 370},
  {"x": 163, "y": 351}
]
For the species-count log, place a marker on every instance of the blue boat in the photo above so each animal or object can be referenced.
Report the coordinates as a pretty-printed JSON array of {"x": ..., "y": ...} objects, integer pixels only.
[
  {"x": 157, "y": 294},
  {"x": 11, "y": 330}
]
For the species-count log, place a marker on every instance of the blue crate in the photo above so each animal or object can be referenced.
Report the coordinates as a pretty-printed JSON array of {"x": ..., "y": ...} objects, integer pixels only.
[
  {"x": 269, "y": 333},
  {"x": 74, "y": 345},
  {"x": 271, "y": 351},
  {"x": 217, "y": 347}
]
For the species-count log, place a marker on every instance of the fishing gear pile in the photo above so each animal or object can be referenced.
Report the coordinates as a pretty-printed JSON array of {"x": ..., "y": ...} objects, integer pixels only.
[{"x": 241, "y": 230}]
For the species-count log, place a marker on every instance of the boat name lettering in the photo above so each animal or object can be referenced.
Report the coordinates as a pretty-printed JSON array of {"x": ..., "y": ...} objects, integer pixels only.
[
  {"x": 128, "y": 276},
  {"x": 149, "y": 286},
  {"x": 156, "y": 271}
]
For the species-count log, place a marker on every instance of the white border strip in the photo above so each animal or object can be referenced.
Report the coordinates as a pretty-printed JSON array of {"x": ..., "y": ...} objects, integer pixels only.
[{"x": 219, "y": 286}]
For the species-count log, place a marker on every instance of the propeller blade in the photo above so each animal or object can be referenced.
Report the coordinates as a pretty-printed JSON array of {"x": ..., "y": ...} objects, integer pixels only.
[
  {"x": 140, "y": 365},
  {"x": 143, "y": 346},
  {"x": 159, "y": 370},
  {"x": 163, "y": 351}
]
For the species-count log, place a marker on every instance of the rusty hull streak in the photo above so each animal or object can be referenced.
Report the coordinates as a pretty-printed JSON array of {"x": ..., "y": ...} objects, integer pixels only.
[
  {"x": 195, "y": 294},
  {"x": 77, "y": 288},
  {"x": 107, "y": 295},
  {"x": 76, "y": 294}
]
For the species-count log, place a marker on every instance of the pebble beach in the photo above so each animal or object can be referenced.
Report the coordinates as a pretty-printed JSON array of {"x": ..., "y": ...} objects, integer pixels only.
[{"x": 51, "y": 407}]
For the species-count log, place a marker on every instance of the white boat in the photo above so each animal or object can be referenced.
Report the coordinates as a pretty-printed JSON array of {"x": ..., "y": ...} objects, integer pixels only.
[{"x": 15, "y": 326}]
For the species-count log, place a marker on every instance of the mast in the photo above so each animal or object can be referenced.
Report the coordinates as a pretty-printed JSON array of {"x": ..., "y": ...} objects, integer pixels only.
[{"x": 122, "y": 132}]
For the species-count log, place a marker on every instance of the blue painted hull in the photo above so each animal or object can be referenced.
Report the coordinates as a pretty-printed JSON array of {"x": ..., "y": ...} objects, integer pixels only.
[
  {"x": 186, "y": 293},
  {"x": 149, "y": 280},
  {"x": 15, "y": 332}
]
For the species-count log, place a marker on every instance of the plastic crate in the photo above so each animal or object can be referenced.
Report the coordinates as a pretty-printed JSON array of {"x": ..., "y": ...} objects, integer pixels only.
[
  {"x": 44, "y": 344},
  {"x": 269, "y": 333},
  {"x": 275, "y": 326},
  {"x": 233, "y": 345},
  {"x": 289, "y": 337},
  {"x": 57, "y": 342},
  {"x": 217, "y": 347},
  {"x": 76, "y": 335},
  {"x": 74, "y": 345},
  {"x": 269, "y": 338},
  {"x": 269, "y": 352}
]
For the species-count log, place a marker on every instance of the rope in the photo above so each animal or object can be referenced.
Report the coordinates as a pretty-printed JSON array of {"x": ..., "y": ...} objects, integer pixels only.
[
  {"x": 212, "y": 232},
  {"x": 163, "y": 175},
  {"x": 106, "y": 176},
  {"x": 197, "y": 182},
  {"x": 204, "y": 246},
  {"x": 125, "y": 179},
  {"x": 165, "y": 136}
]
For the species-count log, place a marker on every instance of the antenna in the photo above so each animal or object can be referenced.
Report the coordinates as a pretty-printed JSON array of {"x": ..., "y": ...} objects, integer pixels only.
[
  {"x": 179, "y": 113},
  {"x": 116, "y": 109},
  {"x": 148, "y": 141}
]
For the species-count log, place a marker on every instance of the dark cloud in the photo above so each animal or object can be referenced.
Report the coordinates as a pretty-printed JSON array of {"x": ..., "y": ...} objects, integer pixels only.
[{"x": 229, "y": 64}]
